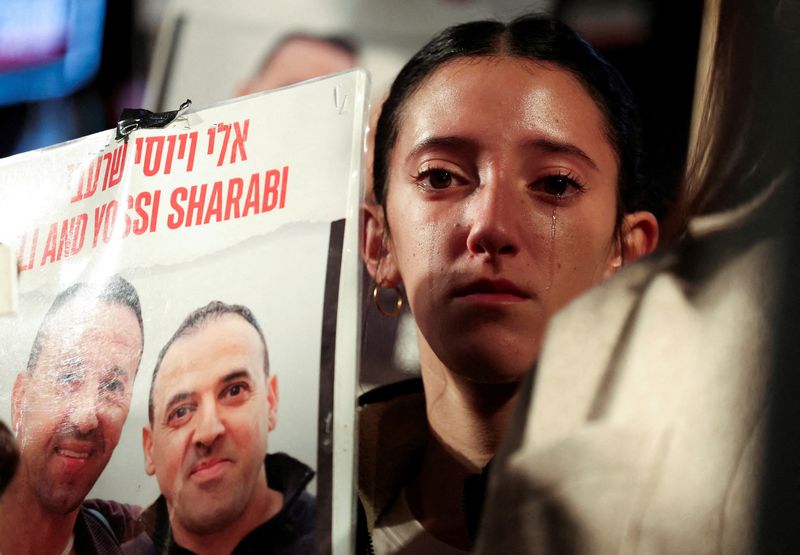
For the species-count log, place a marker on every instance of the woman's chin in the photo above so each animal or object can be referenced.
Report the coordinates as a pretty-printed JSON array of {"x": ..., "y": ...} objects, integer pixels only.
[
  {"x": 492, "y": 367},
  {"x": 490, "y": 353}
]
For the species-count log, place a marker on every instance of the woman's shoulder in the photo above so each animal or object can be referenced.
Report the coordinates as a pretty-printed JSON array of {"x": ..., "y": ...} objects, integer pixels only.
[
  {"x": 392, "y": 430},
  {"x": 403, "y": 390}
]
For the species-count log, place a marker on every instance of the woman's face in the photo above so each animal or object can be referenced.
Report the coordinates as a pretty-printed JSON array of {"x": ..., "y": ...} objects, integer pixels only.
[{"x": 501, "y": 208}]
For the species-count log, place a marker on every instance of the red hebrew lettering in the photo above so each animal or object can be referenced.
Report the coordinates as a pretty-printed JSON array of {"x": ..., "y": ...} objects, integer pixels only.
[
  {"x": 115, "y": 165},
  {"x": 171, "y": 139},
  {"x": 88, "y": 181},
  {"x": 107, "y": 176},
  {"x": 139, "y": 150},
  {"x": 79, "y": 193},
  {"x": 212, "y": 133},
  {"x": 223, "y": 128},
  {"x": 151, "y": 150},
  {"x": 237, "y": 146},
  {"x": 182, "y": 148},
  {"x": 238, "y": 142},
  {"x": 152, "y": 155}
]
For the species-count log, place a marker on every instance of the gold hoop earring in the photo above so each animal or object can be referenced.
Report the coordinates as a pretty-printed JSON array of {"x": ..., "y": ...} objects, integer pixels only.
[{"x": 398, "y": 302}]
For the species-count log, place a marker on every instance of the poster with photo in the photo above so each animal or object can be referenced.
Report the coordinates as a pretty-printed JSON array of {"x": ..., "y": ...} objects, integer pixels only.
[{"x": 187, "y": 303}]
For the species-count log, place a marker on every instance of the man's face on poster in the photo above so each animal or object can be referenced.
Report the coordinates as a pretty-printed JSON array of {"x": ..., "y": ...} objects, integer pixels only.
[
  {"x": 70, "y": 408},
  {"x": 213, "y": 406}
]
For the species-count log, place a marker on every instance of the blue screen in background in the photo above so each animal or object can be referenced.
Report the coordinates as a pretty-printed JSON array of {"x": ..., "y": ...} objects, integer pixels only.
[{"x": 48, "y": 48}]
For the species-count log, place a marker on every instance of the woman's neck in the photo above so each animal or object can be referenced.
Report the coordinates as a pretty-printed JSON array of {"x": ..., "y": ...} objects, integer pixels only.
[{"x": 467, "y": 421}]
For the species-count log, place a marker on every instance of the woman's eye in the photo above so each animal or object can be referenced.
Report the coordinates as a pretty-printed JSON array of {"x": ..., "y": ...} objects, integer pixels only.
[
  {"x": 558, "y": 185},
  {"x": 436, "y": 178},
  {"x": 440, "y": 179}
]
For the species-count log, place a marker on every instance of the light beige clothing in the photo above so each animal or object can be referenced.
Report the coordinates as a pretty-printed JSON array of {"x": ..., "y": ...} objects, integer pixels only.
[{"x": 642, "y": 429}]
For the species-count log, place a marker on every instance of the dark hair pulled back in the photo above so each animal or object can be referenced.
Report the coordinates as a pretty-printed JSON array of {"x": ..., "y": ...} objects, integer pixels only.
[{"x": 539, "y": 39}]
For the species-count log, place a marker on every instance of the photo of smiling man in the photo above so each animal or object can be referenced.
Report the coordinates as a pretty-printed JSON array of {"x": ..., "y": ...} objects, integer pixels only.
[
  {"x": 68, "y": 409},
  {"x": 212, "y": 405}
]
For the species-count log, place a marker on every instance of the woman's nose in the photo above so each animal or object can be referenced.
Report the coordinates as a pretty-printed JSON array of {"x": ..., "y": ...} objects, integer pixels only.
[{"x": 491, "y": 220}]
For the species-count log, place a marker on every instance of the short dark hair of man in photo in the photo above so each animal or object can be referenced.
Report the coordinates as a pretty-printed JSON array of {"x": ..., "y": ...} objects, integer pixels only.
[
  {"x": 298, "y": 57},
  {"x": 213, "y": 403},
  {"x": 68, "y": 409}
]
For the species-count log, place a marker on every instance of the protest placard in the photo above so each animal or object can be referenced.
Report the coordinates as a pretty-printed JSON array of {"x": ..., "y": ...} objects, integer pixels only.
[{"x": 253, "y": 203}]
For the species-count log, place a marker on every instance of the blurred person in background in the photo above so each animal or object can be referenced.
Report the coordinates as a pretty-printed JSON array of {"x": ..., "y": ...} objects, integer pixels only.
[{"x": 301, "y": 56}]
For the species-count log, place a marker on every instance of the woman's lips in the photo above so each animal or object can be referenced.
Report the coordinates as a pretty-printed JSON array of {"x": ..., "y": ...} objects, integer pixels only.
[{"x": 492, "y": 291}]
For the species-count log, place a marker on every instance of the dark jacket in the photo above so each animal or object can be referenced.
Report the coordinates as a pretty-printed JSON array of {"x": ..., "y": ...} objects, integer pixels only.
[
  {"x": 393, "y": 431},
  {"x": 102, "y": 525},
  {"x": 93, "y": 535},
  {"x": 291, "y": 531}
]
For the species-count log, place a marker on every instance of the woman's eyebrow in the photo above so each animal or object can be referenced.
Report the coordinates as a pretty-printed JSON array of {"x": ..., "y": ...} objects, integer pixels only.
[
  {"x": 466, "y": 144},
  {"x": 557, "y": 147},
  {"x": 447, "y": 142}
]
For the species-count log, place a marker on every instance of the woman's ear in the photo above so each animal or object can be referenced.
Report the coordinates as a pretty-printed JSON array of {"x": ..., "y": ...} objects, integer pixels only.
[
  {"x": 639, "y": 238},
  {"x": 376, "y": 247}
]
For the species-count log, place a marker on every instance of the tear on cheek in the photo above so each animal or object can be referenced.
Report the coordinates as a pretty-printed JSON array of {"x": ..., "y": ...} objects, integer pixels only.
[{"x": 552, "y": 259}]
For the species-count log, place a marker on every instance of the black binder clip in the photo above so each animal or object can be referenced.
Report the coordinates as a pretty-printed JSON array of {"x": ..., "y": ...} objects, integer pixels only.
[{"x": 132, "y": 119}]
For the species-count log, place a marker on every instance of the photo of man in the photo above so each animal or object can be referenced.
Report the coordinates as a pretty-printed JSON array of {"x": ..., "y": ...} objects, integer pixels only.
[
  {"x": 212, "y": 405},
  {"x": 67, "y": 410}
]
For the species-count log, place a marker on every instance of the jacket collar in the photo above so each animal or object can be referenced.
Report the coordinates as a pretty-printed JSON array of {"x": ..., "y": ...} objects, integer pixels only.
[{"x": 393, "y": 431}]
